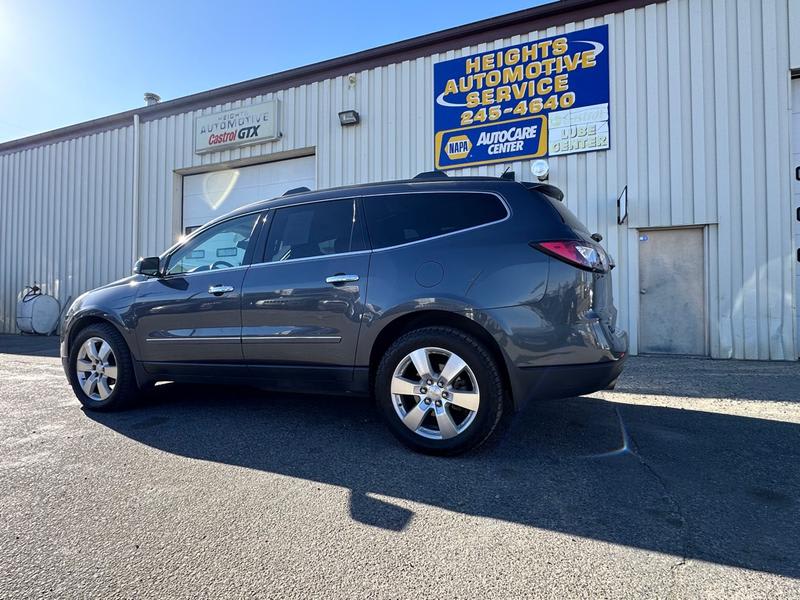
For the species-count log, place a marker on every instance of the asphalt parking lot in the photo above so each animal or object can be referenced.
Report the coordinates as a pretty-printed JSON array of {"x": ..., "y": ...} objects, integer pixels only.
[{"x": 684, "y": 482}]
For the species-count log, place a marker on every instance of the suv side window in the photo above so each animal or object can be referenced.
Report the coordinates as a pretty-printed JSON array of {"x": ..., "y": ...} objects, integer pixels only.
[
  {"x": 220, "y": 247},
  {"x": 314, "y": 229},
  {"x": 401, "y": 218}
]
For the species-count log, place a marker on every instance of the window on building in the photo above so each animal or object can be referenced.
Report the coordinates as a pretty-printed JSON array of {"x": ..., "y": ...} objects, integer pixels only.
[
  {"x": 401, "y": 218},
  {"x": 316, "y": 229},
  {"x": 220, "y": 247}
]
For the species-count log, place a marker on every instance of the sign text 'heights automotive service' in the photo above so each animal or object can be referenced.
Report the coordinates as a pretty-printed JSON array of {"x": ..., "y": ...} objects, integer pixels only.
[{"x": 542, "y": 98}]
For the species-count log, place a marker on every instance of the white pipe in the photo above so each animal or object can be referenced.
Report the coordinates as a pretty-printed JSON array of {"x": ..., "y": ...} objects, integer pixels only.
[{"x": 135, "y": 188}]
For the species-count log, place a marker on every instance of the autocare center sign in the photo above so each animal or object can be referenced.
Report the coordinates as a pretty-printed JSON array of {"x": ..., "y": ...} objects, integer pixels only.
[
  {"x": 543, "y": 98},
  {"x": 241, "y": 126}
]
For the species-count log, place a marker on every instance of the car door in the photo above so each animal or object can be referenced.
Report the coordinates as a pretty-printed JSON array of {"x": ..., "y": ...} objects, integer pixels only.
[
  {"x": 303, "y": 302},
  {"x": 192, "y": 313}
]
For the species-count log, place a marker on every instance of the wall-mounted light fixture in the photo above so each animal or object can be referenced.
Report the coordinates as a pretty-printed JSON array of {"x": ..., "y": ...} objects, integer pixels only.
[
  {"x": 349, "y": 117},
  {"x": 540, "y": 169}
]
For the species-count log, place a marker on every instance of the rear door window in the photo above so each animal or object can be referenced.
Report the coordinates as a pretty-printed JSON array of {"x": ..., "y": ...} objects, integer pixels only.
[
  {"x": 396, "y": 219},
  {"x": 314, "y": 229}
]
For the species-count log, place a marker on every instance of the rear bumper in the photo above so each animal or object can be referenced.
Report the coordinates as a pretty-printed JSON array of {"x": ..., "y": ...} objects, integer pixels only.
[
  {"x": 548, "y": 360},
  {"x": 565, "y": 381}
]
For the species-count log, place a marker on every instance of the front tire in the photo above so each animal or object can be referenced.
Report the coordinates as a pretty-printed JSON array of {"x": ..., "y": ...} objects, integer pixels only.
[
  {"x": 440, "y": 390},
  {"x": 101, "y": 369}
]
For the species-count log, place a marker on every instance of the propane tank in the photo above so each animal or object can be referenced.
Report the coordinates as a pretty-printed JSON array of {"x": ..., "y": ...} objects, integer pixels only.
[{"x": 37, "y": 312}]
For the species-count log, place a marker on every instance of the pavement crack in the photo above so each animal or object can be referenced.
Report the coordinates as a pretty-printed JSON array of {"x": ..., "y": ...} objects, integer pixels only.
[{"x": 677, "y": 509}]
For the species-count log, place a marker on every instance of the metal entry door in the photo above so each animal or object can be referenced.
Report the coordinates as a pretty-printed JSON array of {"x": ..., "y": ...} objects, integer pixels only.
[{"x": 672, "y": 317}]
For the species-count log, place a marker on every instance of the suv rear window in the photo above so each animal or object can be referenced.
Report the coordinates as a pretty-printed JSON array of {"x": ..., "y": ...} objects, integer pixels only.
[
  {"x": 401, "y": 218},
  {"x": 567, "y": 216}
]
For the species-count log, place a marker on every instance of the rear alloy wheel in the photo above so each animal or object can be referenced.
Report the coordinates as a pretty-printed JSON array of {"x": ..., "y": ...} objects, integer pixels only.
[
  {"x": 435, "y": 393},
  {"x": 440, "y": 390},
  {"x": 100, "y": 368}
]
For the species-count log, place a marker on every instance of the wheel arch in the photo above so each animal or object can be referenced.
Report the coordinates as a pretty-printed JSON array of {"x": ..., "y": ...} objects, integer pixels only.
[
  {"x": 83, "y": 321},
  {"x": 435, "y": 318}
]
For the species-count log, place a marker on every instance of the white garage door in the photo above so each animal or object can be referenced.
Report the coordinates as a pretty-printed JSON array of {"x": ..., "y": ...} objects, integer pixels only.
[
  {"x": 796, "y": 191},
  {"x": 209, "y": 195}
]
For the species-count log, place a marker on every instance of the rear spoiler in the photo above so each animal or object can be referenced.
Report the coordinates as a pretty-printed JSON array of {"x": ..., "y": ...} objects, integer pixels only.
[{"x": 544, "y": 188}]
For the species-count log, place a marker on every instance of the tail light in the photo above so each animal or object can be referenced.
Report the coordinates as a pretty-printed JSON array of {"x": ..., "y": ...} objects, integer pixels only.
[{"x": 577, "y": 253}]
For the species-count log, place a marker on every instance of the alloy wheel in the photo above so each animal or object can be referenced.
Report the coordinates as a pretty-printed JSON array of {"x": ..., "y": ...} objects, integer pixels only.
[
  {"x": 435, "y": 393},
  {"x": 96, "y": 367}
]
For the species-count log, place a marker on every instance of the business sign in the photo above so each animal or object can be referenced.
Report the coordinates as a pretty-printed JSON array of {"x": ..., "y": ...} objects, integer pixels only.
[
  {"x": 542, "y": 98},
  {"x": 241, "y": 126}
]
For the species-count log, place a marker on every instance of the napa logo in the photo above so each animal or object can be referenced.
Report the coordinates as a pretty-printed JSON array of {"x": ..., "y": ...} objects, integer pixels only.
[{"x": 457, "y": 147}]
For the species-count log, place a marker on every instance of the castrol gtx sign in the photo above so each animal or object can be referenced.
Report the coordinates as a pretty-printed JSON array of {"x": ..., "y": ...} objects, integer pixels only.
[
  {"x": 241, "y": 126},
  {"x": 545, "y": 97}
]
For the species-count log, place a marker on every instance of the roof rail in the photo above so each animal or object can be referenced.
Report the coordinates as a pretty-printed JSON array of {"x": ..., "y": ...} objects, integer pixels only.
[
  {"x": 296, "y": 190},
  {"x": 431, "y": 175},
  {"x": 545, "y": 188}
]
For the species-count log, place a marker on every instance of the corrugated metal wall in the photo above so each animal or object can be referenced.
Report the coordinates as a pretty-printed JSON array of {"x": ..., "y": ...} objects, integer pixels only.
[
  {"x": 65, "y": 214},
  {"x": 700, "y": 135}
]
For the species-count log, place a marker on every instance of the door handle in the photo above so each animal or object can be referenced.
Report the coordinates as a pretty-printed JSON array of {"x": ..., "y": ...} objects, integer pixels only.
[
  {"x": 341, "y": 278},
  {"x": 218, "y": 290}
]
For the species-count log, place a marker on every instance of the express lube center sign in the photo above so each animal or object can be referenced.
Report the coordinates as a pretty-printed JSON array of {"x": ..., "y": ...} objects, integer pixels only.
[{"x": 542, "y": 98}]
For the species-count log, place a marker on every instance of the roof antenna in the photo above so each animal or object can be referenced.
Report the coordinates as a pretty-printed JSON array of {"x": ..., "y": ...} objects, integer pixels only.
[{"x": 508, "y": 174}]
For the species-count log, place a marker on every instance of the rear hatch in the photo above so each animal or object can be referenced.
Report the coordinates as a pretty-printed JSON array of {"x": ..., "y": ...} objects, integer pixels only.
[{"x": 583, "y": 250}]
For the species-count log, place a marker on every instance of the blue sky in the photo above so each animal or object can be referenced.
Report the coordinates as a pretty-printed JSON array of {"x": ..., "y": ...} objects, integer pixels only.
[{"x": 71, "y": 61}]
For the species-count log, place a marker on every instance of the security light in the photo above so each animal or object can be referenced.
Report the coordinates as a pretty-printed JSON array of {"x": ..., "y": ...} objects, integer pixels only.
[
  {"x": 540, "y": 169},
  {"x": 349, "y": 117}
]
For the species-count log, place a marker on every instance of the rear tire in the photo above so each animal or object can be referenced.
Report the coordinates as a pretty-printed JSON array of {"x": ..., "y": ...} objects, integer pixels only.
[
  {"x": 455, "y": 406},
  {"x": 101, "y": 369}
]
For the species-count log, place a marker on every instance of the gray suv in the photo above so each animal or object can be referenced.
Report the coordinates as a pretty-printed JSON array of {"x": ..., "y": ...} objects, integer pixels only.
[{"x": 452, "y": 301}]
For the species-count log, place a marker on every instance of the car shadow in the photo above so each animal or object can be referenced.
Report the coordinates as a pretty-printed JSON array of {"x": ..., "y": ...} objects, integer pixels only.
[
  {"x": 29, "y": 345},
  {"x": 696, "y": 485}
]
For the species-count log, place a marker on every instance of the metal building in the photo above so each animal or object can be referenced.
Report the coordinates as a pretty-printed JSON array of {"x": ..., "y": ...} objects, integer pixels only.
[{"x": 700, "y": 138}]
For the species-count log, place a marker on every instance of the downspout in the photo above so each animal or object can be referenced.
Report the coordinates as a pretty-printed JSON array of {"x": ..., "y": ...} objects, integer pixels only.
[{"x": 135, "y": 188}]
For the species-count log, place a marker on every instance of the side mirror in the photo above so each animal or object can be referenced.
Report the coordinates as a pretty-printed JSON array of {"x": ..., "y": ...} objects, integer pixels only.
[{"x": 150, "y": 266}]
